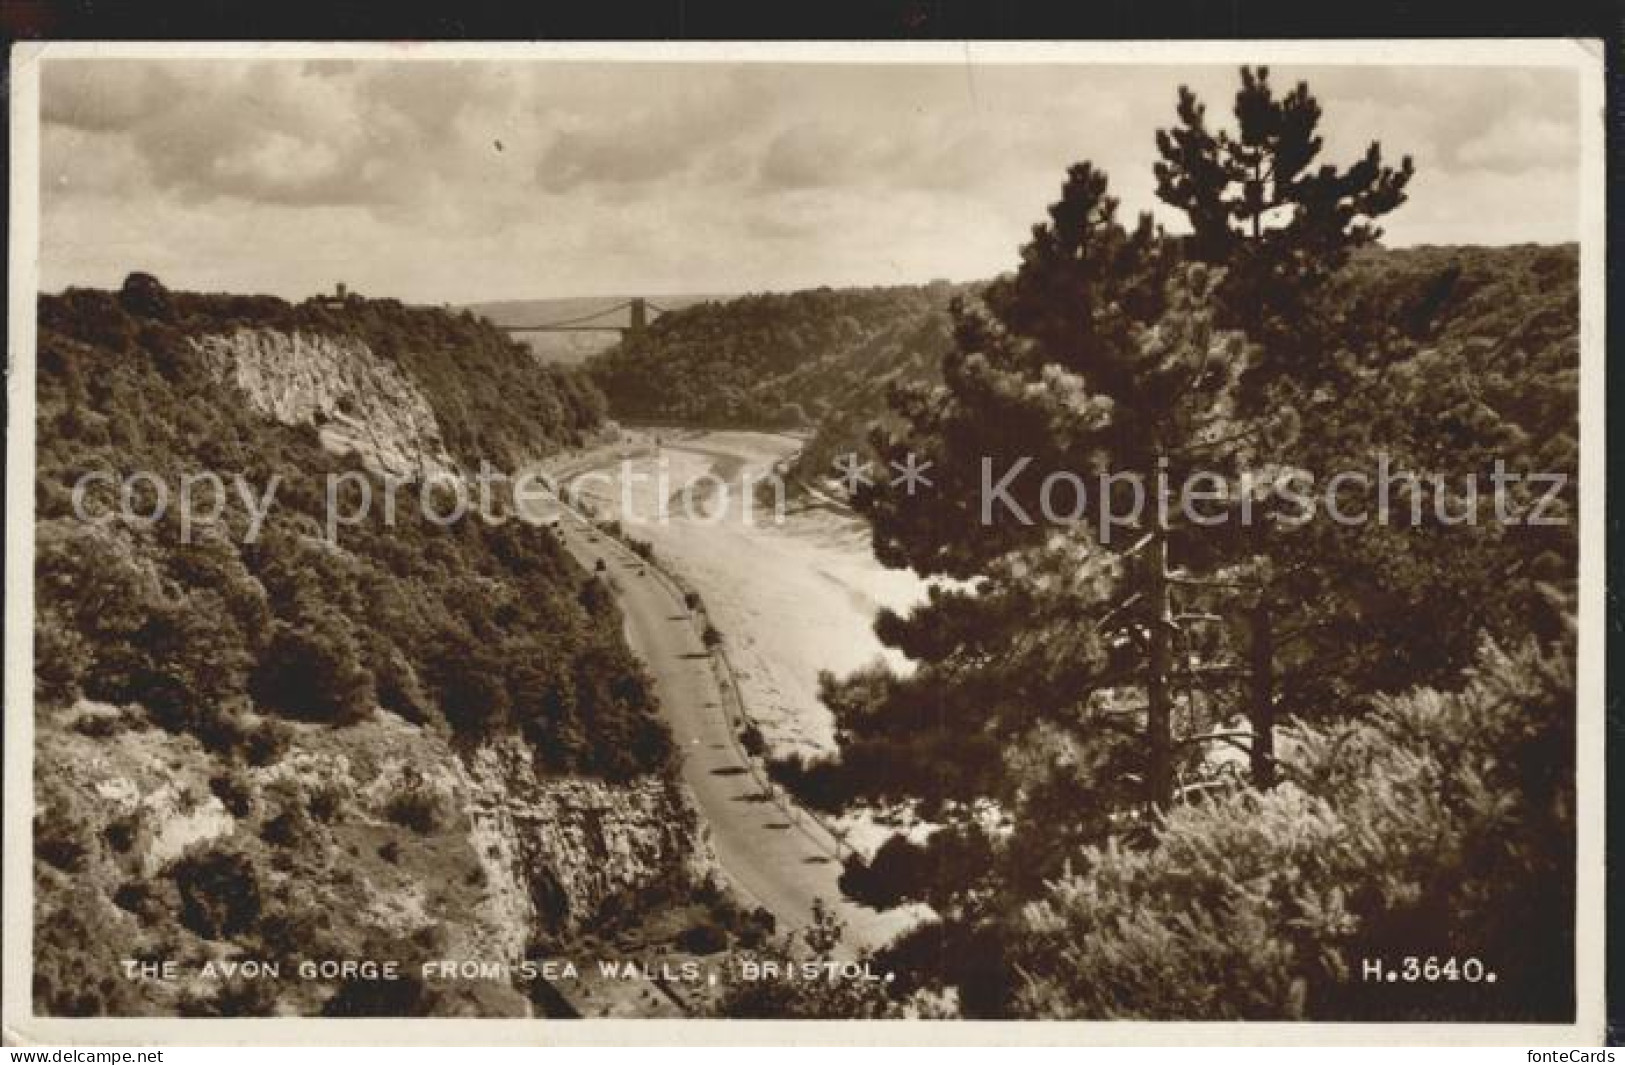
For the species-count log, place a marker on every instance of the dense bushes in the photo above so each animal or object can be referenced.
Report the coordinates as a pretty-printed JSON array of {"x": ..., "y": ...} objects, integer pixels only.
[
  {"x": 1440, "y": 825},
  {"x": 62, "y": 834},
  {"x": 313, "y": 670},
  {"x": 418, "y": 807},
  {"x": 77, "y": 965},
  {"x": 220, "y": 893},
  {"x": 905, "y": 871},
  {"x": 704, "y": 938},
  {"x": 225, "y": 640}
]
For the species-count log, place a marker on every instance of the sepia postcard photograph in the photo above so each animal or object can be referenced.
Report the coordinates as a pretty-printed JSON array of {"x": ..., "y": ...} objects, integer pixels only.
[{"x": 590, "y": 543}]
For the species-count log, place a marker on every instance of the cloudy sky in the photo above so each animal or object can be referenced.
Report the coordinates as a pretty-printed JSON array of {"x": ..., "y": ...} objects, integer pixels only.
[{"x": 440, "y": 181}]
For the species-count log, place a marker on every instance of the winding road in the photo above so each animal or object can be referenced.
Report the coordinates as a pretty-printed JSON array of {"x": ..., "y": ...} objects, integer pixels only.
[{"x": 775, "y": 854}]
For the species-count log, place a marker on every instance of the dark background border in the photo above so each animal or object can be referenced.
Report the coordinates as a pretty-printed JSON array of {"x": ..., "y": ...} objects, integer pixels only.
[
  {"x": 830, "y": 19},
  {"x": 950, "y": 20}
]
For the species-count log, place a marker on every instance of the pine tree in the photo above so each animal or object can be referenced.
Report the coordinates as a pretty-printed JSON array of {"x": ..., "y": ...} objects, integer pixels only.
[
  {"x": 1282, "y": 226},
  {"x": 1259, "y": 206},
  {"x": 1048, "y": 685},
  {"x": 1074, "y": 678},
  {"x": 1099, "y": 355}
]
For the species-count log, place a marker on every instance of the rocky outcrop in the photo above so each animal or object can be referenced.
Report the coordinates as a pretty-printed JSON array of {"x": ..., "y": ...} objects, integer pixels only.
[
  {"x": 357, "y": 401},
  {"x": 509, "y": 860},
  {"x": 573, "y": 844}
]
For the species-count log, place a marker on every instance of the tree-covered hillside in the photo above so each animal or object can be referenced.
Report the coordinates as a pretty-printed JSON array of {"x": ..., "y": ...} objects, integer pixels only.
[
  {"x": 775, "y": 361},
  {"x": 433, "y": 621},
  {"x": 1513, "y": 307},
  {"x": 825, "y": 359},
  {"x": 229, "y": 645},
  {"x": 492, "y": 400}
]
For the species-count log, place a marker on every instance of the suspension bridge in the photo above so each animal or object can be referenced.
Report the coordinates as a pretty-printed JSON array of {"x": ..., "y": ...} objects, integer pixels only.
[{"x": 637, "y": 320}]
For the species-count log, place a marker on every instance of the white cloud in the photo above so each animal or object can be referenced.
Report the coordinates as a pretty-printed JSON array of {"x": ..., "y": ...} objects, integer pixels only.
[
  {"x": 442, "y": 181},
  {"x": 1513, "y": 145}
]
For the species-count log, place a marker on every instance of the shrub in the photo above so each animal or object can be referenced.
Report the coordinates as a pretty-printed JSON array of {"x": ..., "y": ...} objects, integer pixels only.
[
  {"x": 399, "y": 689},
  {"x": 61, "y": 658},
  {"x": 120, "y": 833},
  {"x": 468, "y": 679},
  {"x": 77, "y": 971},
  {"x": 705, "y": 938},
  {"x": 234, "y": 790},
  {"x": 139, "y": 898},
  {"x": 144, "y": 296},
  {"x": 62, "y": 834},
  {"x": 750, "y": 737},
  {"x": 818, "y": 782},
  {"x": 292, "y": 827},
  {"x": 266, "y": 741},
  {"x": 313, "y": 670},
  {"x": 417, "y": 807},
  {"x": 755, "y": 927},
  {"x": 100, "y": 722},
  {"x": 326, "y": 802},
  {"x": 595, "y": 597},
  {"x": 904, "y": 871},
  {"x": 751, "y": 927},
  {"x": 189, "y": 657},
  {"x": 291, "y": 928},
  {"x": 220, "y": 892}
]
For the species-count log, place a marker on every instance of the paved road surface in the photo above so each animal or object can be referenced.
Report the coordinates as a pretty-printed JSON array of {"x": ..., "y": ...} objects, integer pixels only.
[{"x": 771, "y": 856}]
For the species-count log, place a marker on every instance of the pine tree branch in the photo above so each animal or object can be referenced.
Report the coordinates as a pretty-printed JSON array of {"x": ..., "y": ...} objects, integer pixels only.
[
  {"x": 1100, "y": 626},
  {"x": 1230, "y": 670},
  {"x": 1205, "y": 444},
  {"x": 1233, "y": 738},
  {"x": 1186, "y": 580}
]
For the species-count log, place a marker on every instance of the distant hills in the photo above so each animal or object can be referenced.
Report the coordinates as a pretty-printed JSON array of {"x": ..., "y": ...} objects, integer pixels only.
[
  {"x": 776, "y": 360},
  {"x": 825, "y": 358}
]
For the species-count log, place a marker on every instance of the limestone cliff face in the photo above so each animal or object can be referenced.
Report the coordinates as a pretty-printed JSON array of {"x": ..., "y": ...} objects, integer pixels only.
[
  {"x": 358, "y": 401},
  {"x": 569, "y": 845},
  {"x": 506, "y": 860}
]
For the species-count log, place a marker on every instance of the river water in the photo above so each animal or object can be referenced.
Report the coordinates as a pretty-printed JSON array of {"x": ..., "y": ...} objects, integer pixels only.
[{"x": 792, "y": 597}]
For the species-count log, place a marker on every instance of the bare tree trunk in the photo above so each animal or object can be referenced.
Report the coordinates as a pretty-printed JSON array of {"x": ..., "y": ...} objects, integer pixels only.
[
  {"x": 1159, "y": 715},
  {"x": 1261, "y": 710}
]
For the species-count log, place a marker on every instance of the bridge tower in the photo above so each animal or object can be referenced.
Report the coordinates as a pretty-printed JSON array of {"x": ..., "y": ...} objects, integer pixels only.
[{"x": 640, "y": 316}]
